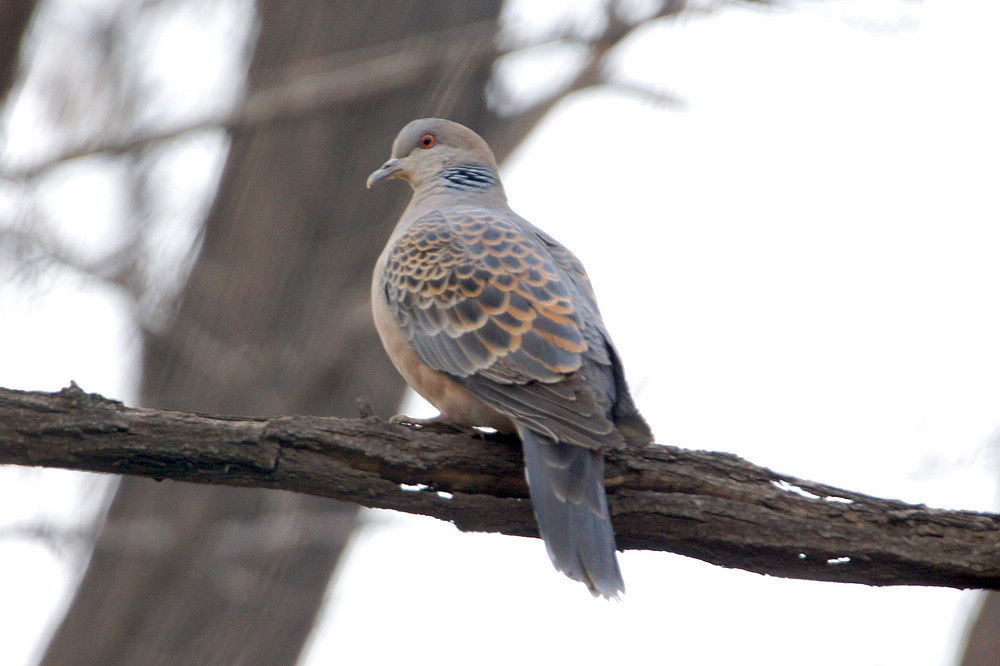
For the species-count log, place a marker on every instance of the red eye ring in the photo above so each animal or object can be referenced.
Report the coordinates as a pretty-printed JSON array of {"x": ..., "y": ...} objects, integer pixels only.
[{"x": 428, "y": 140}]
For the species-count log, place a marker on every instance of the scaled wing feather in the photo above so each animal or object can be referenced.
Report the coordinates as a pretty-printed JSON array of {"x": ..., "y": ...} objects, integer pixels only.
[{"x": 492, "y": 306}]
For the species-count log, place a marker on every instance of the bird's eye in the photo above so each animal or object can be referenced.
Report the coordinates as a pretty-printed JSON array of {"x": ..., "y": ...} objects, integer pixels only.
[{"x": 428, "y": 140}]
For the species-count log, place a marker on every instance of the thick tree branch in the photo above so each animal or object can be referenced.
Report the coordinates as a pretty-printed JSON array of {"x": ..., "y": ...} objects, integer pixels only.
[{"x": 713, "y": 506}]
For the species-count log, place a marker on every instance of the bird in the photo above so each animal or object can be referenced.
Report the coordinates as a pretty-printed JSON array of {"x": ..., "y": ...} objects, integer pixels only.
[{"x": 496, "y": 324}]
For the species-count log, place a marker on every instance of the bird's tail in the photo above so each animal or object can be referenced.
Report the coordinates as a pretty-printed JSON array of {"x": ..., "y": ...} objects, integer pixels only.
[{"x": 567, "y": 492}]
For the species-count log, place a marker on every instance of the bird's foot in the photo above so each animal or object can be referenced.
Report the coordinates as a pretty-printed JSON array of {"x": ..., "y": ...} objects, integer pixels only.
[{"x": 438, "y": 422}]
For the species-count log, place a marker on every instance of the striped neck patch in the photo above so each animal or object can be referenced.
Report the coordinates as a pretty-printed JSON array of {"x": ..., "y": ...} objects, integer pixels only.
[{"x": 465, "y": 177}]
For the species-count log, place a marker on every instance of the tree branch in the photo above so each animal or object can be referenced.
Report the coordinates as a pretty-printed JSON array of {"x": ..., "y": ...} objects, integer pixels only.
[
  {"x": 312, "y": 88},
  {"x": 713, "y": 506}
]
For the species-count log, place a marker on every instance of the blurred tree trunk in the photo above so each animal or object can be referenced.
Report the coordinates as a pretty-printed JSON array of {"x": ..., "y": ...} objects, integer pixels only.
[
  {"x": 982, "y": 645},
  {"x": 274, "y": 319},
  {"x": 982, "y": 636},
  {"x": 15, "y": 15}
]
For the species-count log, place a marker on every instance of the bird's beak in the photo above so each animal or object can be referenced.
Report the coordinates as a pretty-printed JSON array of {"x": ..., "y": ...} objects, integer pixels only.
[{"x": 387, "y": 170}]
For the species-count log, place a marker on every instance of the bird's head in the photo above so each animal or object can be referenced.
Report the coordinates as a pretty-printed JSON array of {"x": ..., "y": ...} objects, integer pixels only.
[{"x": 428, "y": 147}]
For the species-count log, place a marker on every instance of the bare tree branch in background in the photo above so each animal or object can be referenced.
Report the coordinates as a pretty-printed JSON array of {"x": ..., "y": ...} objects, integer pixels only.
[
  {"x": 713, "y": 506},
  {"x": 366, "y": 73}
]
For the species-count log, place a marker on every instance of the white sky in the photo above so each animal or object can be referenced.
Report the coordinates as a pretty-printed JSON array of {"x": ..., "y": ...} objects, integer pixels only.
[{"x": 800, "y": 268}]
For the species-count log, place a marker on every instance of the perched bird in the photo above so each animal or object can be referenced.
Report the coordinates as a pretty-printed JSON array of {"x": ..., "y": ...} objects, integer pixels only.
[{"x": 495, "y": 323}]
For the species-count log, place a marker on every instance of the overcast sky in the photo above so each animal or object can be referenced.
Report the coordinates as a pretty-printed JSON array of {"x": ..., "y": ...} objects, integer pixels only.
[{"x": 799, "y": 267}]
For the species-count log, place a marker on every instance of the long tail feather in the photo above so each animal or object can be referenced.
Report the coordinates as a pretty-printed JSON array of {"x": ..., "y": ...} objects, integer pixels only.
[{"x": 567, "y": 493}]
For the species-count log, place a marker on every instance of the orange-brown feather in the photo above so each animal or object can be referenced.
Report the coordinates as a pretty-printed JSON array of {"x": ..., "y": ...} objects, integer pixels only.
[{"x": 474, "y": 269}]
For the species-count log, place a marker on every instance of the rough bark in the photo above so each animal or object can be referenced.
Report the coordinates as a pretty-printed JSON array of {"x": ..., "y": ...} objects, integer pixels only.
[
  {"x": 273, "y": 319},
  {"x": 713, "y": 506}
]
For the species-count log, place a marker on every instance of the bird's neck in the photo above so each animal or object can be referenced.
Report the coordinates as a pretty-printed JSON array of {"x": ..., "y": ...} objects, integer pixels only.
[{"x": 457, "y": 185}]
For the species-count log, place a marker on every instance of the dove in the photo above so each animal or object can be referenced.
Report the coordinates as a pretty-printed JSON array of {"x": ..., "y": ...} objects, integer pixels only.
[{"x": 495, "y": 323}]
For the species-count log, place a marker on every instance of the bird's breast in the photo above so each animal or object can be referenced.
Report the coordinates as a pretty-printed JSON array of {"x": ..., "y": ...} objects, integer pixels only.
[{"x": 456, "y": 404}]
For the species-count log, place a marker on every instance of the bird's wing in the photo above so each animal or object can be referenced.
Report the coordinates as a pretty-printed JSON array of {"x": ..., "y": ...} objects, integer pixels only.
[
  {"x": 626, "y": 416},
  {"x": 567, "y": 262},
  {"x": 483, "y": 300}
]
